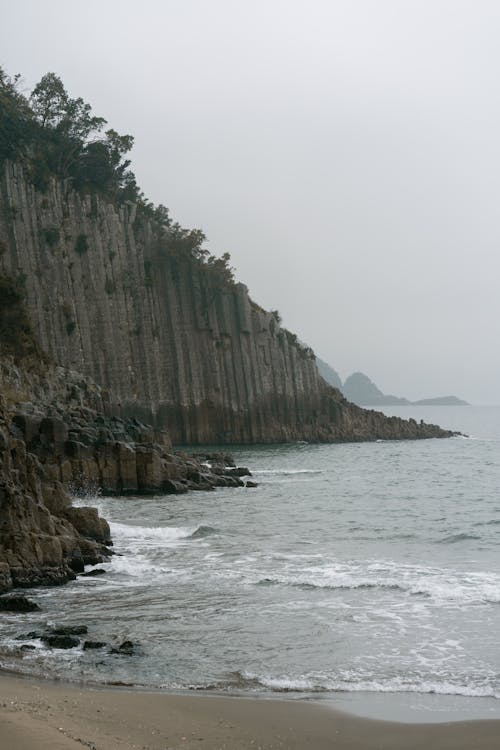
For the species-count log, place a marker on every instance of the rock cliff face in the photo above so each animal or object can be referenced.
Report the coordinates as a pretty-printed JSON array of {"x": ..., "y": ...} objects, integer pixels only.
[
  {"x": 177, "y": 348},
  {"x": 58, "y": 434},
  {"x": 40, "y": 539}
]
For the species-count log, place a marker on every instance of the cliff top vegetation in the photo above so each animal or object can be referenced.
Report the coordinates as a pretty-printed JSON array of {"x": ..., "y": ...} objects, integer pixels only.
[{"x": 55, "y": 135}]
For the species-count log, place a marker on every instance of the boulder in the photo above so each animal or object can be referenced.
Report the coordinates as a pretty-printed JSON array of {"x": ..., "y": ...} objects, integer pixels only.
[
  {"x": 61, "y": 641},
  {"x": 93, "y": 573},
  {"x": 88, "y": 523},
  {"x": 127, "y": 648},
  {"x": 70, "y": 630},
  {"x": 17, "y": 604}
]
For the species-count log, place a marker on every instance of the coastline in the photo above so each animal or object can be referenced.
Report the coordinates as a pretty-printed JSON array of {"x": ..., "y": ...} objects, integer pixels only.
[{"x": 37, "y": 715}]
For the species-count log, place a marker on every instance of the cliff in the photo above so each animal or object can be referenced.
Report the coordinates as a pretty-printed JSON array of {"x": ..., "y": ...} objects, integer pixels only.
[
  {"x": 43, "y": 540},
  {"x": 179, "y": 346},
  {"x": 58, "y": 434}
]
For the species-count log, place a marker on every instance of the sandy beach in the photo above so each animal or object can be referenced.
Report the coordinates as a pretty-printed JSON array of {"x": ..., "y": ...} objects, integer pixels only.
[{"x": 56, "y": 716}]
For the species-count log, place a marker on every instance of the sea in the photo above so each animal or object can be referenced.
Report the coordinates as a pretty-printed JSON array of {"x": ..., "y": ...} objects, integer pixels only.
[{"x": 352, "y": 573}]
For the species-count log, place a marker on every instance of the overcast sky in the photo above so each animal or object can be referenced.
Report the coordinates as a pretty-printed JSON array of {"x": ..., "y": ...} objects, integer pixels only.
[{"x": 346, "y": 153}]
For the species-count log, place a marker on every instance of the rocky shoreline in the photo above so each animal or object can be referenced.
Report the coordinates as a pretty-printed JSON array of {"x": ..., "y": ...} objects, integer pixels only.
[
  {"x": 61, "y": 434},
  {"x": 59, "y": 443}
]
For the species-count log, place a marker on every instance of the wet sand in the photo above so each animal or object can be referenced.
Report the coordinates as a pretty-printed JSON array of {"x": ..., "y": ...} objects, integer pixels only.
[{"x": 55, "y": 716}]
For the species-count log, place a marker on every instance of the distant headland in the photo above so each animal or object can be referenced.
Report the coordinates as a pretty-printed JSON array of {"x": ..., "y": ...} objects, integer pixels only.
[{"x": 359, "y": 389}]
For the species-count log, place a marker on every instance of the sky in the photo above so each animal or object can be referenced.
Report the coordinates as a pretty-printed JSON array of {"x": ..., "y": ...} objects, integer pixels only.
[{"x": 345, "y": 152}]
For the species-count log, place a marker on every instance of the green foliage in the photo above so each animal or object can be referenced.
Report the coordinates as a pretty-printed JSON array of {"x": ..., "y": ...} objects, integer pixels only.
[
  {"x": 220, "y": 269},
  {"x": 159, "y": 215},
  {"x": 188, "y": 245},
  {"x": 16, "y": 335},
  {"x": 81, "y": 244},
  {"x": 62, "y": 137},
  {"x": 305, "y": 352},
  {"x": 16, "y": 119},
  {"x": 59, "y": 136},
  {"x": 148, "y": 273},
  {"x": 70, "y": 327},
  {"x": 109, "y": 286},
  {"x": 51, "y": 236}
]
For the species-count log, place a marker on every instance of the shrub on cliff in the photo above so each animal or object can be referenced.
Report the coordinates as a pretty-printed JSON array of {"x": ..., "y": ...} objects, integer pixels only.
[
  {"x": 59, "y": 136},
  {"x": 16, "y": 120},
  {"x": 16, "y": 335}
]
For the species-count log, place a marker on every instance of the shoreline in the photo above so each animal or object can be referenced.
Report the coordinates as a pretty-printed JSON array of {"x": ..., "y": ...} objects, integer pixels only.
[{"x": 39, "y": 715}]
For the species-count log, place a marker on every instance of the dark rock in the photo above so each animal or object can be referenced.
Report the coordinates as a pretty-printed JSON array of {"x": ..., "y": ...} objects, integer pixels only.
[
  {"x": 92, "y": 573},
  {"x": 53, "y": 431},
  {"x": 87, "y": 645},
  {"x": 17, "y": 604},
  {"x": 251, "y": 484},
  {"x": 70, "y": 630},
  {"x": 29, "y": 426},
  {"x": 174, "y": 488},
  {"x": 27, "y": 647},
  {"x": 127, "y": 648},
  {"x": 30, "y": 636},
  {"x": 61, "y": 641},
  {"x": 237, "y": 471},
  {"x": 76, "y": 562},
  {"x": 4, "y": 441},
  {"x": 88, "y": 522}
]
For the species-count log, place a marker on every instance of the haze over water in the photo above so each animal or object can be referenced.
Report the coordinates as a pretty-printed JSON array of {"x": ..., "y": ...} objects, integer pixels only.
[{"x": 359, "y": 567}]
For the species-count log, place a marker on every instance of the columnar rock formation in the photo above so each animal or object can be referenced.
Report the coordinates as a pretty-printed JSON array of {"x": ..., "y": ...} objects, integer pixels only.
[
  {"x": 179, "y": 348},
  {"x": 57, "y": 433},
  {"x": 40, "y": 539}
]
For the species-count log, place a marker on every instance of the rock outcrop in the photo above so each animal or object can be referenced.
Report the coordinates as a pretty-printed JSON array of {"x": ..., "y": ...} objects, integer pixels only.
[
  {"x": 39, "y": 544},
  {"x": 69, "y": 423},
  {"x": 58, "y": 434},
  {"x": 181, "y": 350}
]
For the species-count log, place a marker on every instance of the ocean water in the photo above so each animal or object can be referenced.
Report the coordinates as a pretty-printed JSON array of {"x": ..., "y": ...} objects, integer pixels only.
[{"x": 367, "y": 568}]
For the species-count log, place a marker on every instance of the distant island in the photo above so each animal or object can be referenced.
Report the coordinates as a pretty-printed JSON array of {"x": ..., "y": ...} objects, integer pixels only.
[{"x": 359, "y": 389}]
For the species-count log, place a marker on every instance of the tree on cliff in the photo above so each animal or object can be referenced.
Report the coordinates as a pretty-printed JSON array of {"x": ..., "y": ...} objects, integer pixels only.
[
  {"x": 57, "y": 135},
  {"x": 16, "y": 120},
  {"x": 71, "y": 144},
  {"x": 16, "y": 334},
  {"x": 61, "y": 136}
]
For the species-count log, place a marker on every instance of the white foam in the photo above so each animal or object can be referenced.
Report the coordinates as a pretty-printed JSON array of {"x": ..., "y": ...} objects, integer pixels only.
[
  {"x": 121, "y": 531},
  {"x": 286, "y": 472},
  {"x": 355, "y": 683},
  {"x": 441, "y": 586}
]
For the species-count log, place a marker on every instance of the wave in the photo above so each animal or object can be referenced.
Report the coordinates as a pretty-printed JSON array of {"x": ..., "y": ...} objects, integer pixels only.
[
  {"x": 286, "y": 472},
  {"x": 165, "y": 533},
  {"x": 331, "y": 586},
  {"x": 454, "y": 538},
  {"x": 122, "y": 531},
  {"x": 357, "y": 683},
  {"x": 202, "y": 531},
  {"x": 440, "y": 586}
]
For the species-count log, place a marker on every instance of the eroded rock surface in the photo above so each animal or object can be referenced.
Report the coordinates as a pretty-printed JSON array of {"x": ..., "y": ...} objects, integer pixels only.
[
  {"x": 38, "y": 543},
  {"x": 178, "y": 348}
]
